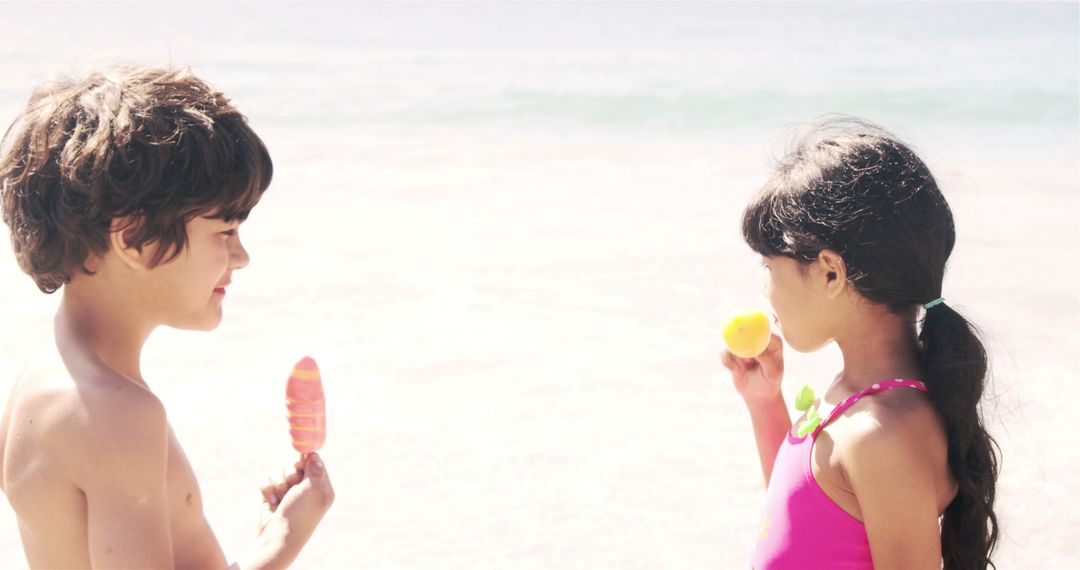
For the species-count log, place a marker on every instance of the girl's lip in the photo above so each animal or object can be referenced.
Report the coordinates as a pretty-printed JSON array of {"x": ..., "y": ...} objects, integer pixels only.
[{"x": 219, "y": 290}]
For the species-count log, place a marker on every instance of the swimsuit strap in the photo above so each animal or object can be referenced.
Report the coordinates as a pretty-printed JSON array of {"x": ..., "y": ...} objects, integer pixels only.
[{"x": 877, "y": 387}]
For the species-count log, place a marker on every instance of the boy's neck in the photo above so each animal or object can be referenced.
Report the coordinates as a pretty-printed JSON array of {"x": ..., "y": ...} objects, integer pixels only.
[{"x": 102, "y": 327}]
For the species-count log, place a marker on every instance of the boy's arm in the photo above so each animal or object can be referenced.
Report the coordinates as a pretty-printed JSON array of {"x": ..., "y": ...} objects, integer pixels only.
[
  {"x": 120, "y": 462},
  {"x": 196, "y": 546},
  {"x": 124, "y": 479}
]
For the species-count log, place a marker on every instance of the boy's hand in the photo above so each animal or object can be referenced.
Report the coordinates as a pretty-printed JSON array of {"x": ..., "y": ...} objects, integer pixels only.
[
  {"x": 294, "y": 504},
  {"x": 757, "y": 379},
  {"x": 274, "y": 488}
]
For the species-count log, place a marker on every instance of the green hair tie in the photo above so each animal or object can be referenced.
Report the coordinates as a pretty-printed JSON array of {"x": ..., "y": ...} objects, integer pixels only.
[{"x": 934, "y": 303}]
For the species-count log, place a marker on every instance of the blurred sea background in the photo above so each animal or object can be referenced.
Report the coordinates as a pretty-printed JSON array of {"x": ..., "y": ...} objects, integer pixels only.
[{"x": 509, "y": 232}]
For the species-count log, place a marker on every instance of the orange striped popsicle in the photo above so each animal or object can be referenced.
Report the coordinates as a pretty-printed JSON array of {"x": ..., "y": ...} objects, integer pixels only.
[{"x": 307, "y": 407}]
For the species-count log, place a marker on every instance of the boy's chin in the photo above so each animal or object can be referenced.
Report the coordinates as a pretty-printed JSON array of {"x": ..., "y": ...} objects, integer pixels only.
[{"x": 208, "y": 323}]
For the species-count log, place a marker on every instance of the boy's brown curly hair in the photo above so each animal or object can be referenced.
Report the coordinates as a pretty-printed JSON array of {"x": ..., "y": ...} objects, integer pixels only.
[{"x": 153, "y": 148}]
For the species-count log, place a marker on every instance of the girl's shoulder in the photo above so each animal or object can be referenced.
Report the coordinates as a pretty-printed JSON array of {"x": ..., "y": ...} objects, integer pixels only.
[
  {"x": 899, "y": 422},
  {"x": 897, "y": 411},
  {"x": 892, "y": 450}
]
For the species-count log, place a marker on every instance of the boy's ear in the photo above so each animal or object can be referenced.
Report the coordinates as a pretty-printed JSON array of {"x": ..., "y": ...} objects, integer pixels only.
[
  {"x": 834, "y": 271},
  {"x": 131, "y": 256}
]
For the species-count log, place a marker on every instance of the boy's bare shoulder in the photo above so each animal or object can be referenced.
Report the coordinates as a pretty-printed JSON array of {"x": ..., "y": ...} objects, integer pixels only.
[
  {"x": 85, "y": 416},
  {"x": 91, "y": 395}
]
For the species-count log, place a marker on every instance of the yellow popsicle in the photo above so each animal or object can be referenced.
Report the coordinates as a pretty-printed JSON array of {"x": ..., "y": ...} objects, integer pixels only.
[{"x": 747, "y": 333}]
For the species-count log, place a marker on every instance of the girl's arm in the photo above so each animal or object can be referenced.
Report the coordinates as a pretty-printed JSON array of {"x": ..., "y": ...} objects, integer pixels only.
[
  {"x": 758, "y": 382},
  {"x": 892, "y": 474},
  {"x": 771, "y": 425}
]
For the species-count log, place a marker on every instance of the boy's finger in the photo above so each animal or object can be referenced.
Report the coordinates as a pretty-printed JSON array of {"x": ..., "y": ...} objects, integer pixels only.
[
  {"x": 272, "y": 491},
  {"x": 281, "y": 484},
  {"x": 316, "y": 473},
  {"x": 269, "y": 496},
  {"x": 313, "y": 465}
]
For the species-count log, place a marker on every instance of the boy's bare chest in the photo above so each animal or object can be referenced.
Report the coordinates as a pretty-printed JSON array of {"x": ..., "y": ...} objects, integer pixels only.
[
  {"x": 194, "y": 543},
  {"x": 3, "y": 442},
  {"x": 187, "y": 521},
  {"x": 183, "y": 487}
]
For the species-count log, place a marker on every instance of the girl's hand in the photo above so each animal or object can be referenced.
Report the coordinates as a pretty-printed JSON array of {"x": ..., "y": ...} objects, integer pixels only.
[
  {"x": 758, "y": 382},
  {"x": 757, "y": 379}
]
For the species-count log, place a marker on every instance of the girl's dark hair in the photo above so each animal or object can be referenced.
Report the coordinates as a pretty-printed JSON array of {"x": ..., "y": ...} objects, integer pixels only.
[
  {"x": 853, "y": 188},
  {"x": 153, "y": 147}
]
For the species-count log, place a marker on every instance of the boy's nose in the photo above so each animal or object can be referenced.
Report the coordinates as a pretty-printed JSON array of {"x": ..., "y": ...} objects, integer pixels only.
[{"x": 238, "y": 256}]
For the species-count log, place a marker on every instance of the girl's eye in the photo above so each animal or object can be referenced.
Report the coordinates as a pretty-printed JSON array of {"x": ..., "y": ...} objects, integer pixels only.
[{"x": 764, "y": 264}]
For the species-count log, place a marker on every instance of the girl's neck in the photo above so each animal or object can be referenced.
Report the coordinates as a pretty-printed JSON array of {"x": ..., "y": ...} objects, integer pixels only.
[{"x": 880, "y": 346}]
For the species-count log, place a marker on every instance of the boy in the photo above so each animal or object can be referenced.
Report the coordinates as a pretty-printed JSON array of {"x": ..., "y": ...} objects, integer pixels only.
[{"x": 127, "y": 189}]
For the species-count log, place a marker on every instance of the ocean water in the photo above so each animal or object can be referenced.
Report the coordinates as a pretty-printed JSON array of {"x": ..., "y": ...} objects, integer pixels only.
[
  {"x": 643, "y": 67},
  {"x": 509, "y": 233}
]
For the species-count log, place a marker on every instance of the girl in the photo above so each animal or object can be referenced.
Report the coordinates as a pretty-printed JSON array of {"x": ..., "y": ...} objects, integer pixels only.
[{"x": 855, "y": 235}]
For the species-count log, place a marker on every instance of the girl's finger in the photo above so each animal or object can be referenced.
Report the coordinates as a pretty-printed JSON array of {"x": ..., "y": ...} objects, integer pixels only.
[
  {"x": 772, "y": 360},
  {"x": 735, "y": 364},
  {"x": 728, "y": 360}
]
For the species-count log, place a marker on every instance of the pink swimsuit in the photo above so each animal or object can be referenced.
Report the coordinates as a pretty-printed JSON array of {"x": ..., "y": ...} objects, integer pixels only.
[{"x": 802, "y": 527}]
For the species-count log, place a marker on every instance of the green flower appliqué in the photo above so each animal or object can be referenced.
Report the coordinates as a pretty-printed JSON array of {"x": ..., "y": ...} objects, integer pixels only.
[{"x": 804, "y": 402}]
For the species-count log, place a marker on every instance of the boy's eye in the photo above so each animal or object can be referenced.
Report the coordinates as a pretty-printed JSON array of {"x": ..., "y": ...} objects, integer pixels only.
[{"x": 230, "y": 233}]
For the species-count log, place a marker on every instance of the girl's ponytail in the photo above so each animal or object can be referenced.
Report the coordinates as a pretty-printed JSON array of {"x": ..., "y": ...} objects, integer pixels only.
[{"x": 954, "y": 362}]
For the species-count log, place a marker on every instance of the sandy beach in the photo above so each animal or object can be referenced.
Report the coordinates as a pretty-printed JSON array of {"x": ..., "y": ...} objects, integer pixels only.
[{"x": 518, "y": 324}]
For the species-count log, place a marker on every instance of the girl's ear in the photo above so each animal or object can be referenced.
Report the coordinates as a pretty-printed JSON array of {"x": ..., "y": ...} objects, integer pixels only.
[
  {"x": 834, "y": 272},
  {"x": 133, "y": 257}
]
